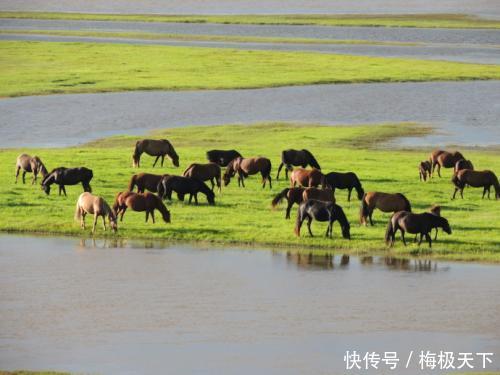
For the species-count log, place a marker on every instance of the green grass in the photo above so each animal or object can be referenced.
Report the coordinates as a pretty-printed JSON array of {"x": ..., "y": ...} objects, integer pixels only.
[
  {"x": 378, "y": 20},
  {"x": 37, "y": 68},
  {"x": 244, "y": 215}
]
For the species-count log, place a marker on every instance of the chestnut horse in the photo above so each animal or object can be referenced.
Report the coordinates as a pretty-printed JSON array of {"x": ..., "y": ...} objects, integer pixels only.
[
  {"x": 322, "y": 211},
  {"x": 463, "y": 164},
  {"x": 248, "y": 166},
  {"x": 153, "y": 147},
  {"x": 484, "y": 179},
  {"x": 325, "y": 195},
  {"x": 145, "y": 181},
  {"x": 30, "y": 165},
  {"x": 443, "y": 159},
  {"x": 94, "y": 205},
  {"x": 307, "y": 178},
  {"x": 140, "y": 202},
  {"x": 292, "y": 195},
  {"x": 385, "y": 202},
  {"x": 293, "y": 157},
  {"x": 205, "y": 172},
  {"x": 348, "y": 180},
  {"x": 424, "y": 170}
]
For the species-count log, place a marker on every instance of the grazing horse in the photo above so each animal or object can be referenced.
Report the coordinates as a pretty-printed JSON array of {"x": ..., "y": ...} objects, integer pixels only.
[
  {"x": 94, "y": 205},
  {"x": 222, "y": 157},
  {"x": 435, "y": 210},
  {"x": 153, "y": 147},
  {"x": 140, "y": 202},
  {"x": 307, "y": 178},
  {"x": 248, "y": 166},
  {"x": 385, "y": 202},
  {"x": 292, "y": 195},
  {"x": 424, "y": 170},
  {"x": 322, "y": 211},
  {"x": 30, "y": 165},
  {"x": 205, "y": 172},
  {"x": 182, "y": 186},
  {"x": 463, "y": 164},
  {"x": 347, "y": 181},
  {"x": 443, "y": 159},
  {"x": 414, "y": 223},
  {"x": 484, "y": 179},
  {"x": 68, "y": 176},
  {"x": 145, "y": 181},
  {"x": 290, "y": 158},
  {"x": 325, "y": 195}
]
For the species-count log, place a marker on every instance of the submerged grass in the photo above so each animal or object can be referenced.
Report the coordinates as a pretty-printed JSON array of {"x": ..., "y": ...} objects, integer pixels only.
[
  {"x": 36, "y": 68},
  {"x": 244, "y": 215}
]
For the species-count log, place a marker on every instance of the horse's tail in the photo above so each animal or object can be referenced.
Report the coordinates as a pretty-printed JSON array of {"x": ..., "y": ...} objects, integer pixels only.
[
  {"x": 363, "y": 211},
  {"x": 407, "y": 206},
  {"x": 496, "y": 185},
  {"x": 132, "y": 183},
  {"x": 187, "y": 169},
  {"x": 389, "y": 232},
  {"x": 312, "y": 160},
  {"x": 116, "y": 203},
  {"x": 298, "y": 222},
  {"x": 279, "y": 197},
  {"x": 78, "y": 213},
  {"x": 161, "y": 189},
  {"x": 267, "y": 169}
]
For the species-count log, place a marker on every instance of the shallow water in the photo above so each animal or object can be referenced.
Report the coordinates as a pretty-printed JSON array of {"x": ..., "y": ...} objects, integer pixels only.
[{"x": 125, "y": 308}]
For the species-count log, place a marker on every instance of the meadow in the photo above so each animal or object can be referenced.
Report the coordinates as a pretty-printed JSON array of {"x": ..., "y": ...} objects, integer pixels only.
[
  {"x": 244, "y": 215},
  {"x": 36, "y": 68}
]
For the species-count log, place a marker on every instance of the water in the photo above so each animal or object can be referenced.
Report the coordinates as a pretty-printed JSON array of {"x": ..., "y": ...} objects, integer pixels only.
[{"x": 127, "y": 308}]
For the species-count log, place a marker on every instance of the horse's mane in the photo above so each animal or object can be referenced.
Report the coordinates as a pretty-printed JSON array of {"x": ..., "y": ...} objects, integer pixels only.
[
  {"x": 188, "y": 168},
  {"x": 408, "y": 205},
  {"x": 341, "y": 215},
  {"x": 312, "y": 160}
]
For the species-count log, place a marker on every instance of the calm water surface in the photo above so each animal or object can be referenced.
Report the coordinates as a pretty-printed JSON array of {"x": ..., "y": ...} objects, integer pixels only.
[{"x": 126, "y": 308}]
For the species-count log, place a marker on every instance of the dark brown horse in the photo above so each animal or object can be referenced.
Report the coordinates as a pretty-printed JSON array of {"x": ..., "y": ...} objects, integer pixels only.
[
  {"x": 68, "y": 176},
  {"x": 145, "y": 181},
  {"x": 248, "y": 166},
  {"x": 385, "y": 202},
  {"x": 30, "y": 165},
  {"x": 435, "y": 210},
  {"x": 182, "y": 186},
  {"x": 140, "y": 202},
  {"x": 416, "y": 224},
  {"x": 290, "y": 158},
  {"x": 348, "y": 180},
  {"x": 205, "y": 172},
  {"x": 322, "y": 211},
  {"x": 424, "y": 170},
  {"x": 463, "y": 164},
  {"x": 444, "y": 159},
  {"x": 468, "y": 177},
  {"x": 153, "y": 147},
  {"x": 292, "y": 195},
  {"x": 325, "y": 195},
  {"x": 308, "y": 178},
  {"x": 222, "y": 157}
]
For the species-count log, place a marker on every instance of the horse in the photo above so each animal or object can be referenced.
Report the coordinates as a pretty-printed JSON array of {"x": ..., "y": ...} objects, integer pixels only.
[
  {"x": 443, "y": 159},
  {"x": 248, "y": 166},
  {"x": 153, "y": 147},
  {"x": 347, "y": 180},
  {"x": 424, "y": 170},
  {"x": 292, "y": 195},
  {"x": 325, "y": 195},
  {"x": 30, "y": 165},
  {"x": 484, "y": 179},
  {"x": 463, "y": 164},
  {"x": 292, "y": 157},
  {"x": 435, "y": 210},
  {"x": 145, "y": 181},
  {"x": 385, "y": 202},
  {"x": 140, "y": 202},
  {"x": 414, "y": 223},
  {"x": 182, "y": 186},
  {"x": 307, "y": 178},
  {"x": 68, "y": 176},
  {"x": 322, "y": 211},
  {"x": 222, "y": 157},
  {"x": 205, "y": 172},
  {"x": 94, "y": 205}
]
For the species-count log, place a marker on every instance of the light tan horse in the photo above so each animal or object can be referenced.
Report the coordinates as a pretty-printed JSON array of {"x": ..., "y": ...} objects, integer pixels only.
[
  {"x": 325, "y": 195},
  {"x": 307, "y": 178},
  {"x": 469, "y": 177},
  {"x": 385, "y": 202},
  {"x": 94, "y": 205},
  {"x": 153, "y": 147},
  {"x": 444, "y": 159},
  {"x": 248, "y": 166},
  {"x": 30, "y": 165},
  {"x": 205, "y": 172}
]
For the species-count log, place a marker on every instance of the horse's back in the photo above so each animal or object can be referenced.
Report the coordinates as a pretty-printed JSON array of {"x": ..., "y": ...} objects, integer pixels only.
[{"x": 24, "y": 161}]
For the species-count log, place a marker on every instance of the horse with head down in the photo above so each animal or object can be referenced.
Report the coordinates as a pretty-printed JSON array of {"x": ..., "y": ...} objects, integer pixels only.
[
  {"x": 140, "y": 202},
  {"x": 68, "y": 176},
  {"x": 348, "y": 180},
  {"x": 468, "y": 177},
  {"x": 97, "y": 206},
  {"x": 291, "y": 157},
  {"x": 444, "y": 159},
  {"x": 248, "y": 166},
  {"x": 205, "y": 172},
  {"x": 159, "y": 148},
  {"x": 385, "y": 202},
  {"x": 322, "y": 211},
  {"x": 30, "y": 165},
  {"x": 308, "y": 178}
]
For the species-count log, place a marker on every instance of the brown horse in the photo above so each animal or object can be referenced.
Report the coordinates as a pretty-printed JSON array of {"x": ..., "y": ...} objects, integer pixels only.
[
  {"x": 325, "y": 195},
  {"x": 30, "y": 165},
  {"x": 248, "y": 166},
  {"x": 94, "y": 205},
  {"x": 205, "y": 172},
  {"x": 145, "y": 181},
  {"x": 484, "y": 179},
  {"x": 443, "y": 159},
  {"x": 307, "y": 178},
  {"x": 140, "y": 202},
  {"x": 463, "y": 164},
  {"x": 385, "y": 202},
  {"x": 153, "y": 147},
  {"x": 435, "y": 210},
  {"x": 424, "y": 170},
  {"x": 292, "y": 195}
]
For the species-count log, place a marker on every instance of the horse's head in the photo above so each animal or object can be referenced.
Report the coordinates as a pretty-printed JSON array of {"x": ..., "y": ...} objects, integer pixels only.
[
  {"x": 346, "y": 231},
  {"x": 445, "y": 225},
  {"x": 46, "y": 188},
  {"x": 211, "y": 197},
  {"x": 174, "y": 157},
  {"x": 113, "y": 222},
  {"x": 166, "y": 215},
  {"x": 458, "y": 156},
  {"x": 361, "y": 192}
]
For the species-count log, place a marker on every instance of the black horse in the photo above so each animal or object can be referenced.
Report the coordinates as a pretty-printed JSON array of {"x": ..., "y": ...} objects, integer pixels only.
[
  {"x": 68, "y": 176},
  {"x": 416, "y": 224},
  {"x": 290, "y": 158},
  {"x": 322, "y": 211},
  {"x": 222, "y": 157},
  {"x": 347, "y": 180},
  {"x": 182, "y": 186}
]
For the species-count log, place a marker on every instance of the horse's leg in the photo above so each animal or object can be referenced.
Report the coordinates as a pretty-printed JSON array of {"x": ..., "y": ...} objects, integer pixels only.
[
  {"x": 123, "y": 212},
  {"x": 288, "y": 209},
  {"x": 104, "y": 222},
  {"x": 403, "y": 235},
  {"x": 279, "y": 170},
  {"x": 95, "y": 221},
  {"x": 24, "y": 177},
  {"x": 309, "y": 221},
  {"x": 484, "y": 192},
  {"x": 436, "y": 235},
  {"x": 196, "y": 198},
  {"x": 242, "y": 180},
  {"x": 64, "y": 190},
  {"x": 190, "y": 198},
  {"x": 349, "y": 194},
  {"x": 153, "y": 215},
  {"x": 33, "y": 178},
  {"x": 147, "y": 215},
  {"x": 454, "y": 193},
  {"x": 156, "y": 160},
  {"x": 17, "y": 172},
  {"x": 421, "y": 237},
  {"x": 269, "y": 179},
  {"x": 212, "y": 183},
  {"x": 489, "y": 187},
  {"x": 162, "y": 159},
  {"x": 82, "y": 219},
  {"x": 462, "y": 192},
  {"x": 286, "y": 173},
  {"x": 439, "y": 169},
  {"x": 370, "y": 214},
  {"x": 429, "y": 239}
]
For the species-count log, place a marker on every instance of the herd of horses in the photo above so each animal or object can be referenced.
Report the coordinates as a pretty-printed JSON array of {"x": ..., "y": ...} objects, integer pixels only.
[{"x": 311, "y": 189}]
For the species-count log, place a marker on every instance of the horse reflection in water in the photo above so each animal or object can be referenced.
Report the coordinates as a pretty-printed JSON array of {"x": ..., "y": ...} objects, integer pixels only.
[
  {"x": 401, "y": 264},
  {"x": 316, "y": 262}
]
